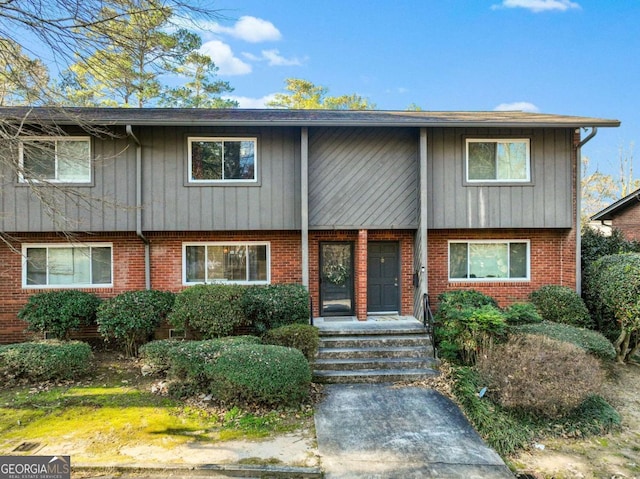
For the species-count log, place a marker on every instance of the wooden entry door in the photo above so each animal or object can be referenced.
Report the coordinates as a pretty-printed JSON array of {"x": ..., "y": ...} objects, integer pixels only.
[
  {"x": 383, "y": 276},
  {"x": 336, "y": 279}
]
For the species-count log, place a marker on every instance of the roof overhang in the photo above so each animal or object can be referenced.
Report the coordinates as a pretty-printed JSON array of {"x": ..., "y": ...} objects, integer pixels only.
[{"x": 612, "y": 210}]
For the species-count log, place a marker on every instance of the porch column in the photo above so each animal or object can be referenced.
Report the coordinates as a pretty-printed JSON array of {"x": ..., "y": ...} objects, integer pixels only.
[
  {"x": 304, "y": 203},
  {"x": 361, "y": 275}
]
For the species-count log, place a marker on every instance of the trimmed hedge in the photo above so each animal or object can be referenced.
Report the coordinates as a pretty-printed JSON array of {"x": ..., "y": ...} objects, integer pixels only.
[
  {"x": 522, "y": 313},
  {"x": 44, "y": 361},
  {"x": 275, "y": 305},
  {"x": 303, "y": 337},
  {"x": 561, "y": 304},
  {"x": 131, "y": 317},
  {"x": 590, "y": 341},
  {"x": 209, "y": 310},
  {"x": 59, "y": 312}
]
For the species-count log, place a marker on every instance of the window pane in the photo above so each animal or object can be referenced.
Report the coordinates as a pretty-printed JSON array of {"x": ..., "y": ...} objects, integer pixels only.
[
  {"x": 518, "y": 260},
  {"x": 458, "y": 260},
  {"x": 216, "y": 257},
  {"x": 101, "y": 265},
  {"x": 195, "y": 264},
  {"x": 239, "y": 160},
  {"x": 512, "y": 161},
  {"x": 206, "y": 160},
  {"x": 74, "y": 160},
  {"x": 39, "y": 160},
  {"x": 488, "y": 260},
  {"x": 36, "y": 266},
  {"x": 482, "y": 161},
  {"x": 69, "y": 266},
  {"x": 258, "y": 263},
  {"x": 235, "y": 262}
]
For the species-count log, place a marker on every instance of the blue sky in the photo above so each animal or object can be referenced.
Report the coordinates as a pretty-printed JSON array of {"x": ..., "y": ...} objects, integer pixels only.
[{"x": 574, "y": 57}]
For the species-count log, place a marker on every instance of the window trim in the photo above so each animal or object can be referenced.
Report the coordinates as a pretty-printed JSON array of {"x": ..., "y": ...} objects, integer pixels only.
[
  {"x": 22, "y": 179},
  {"x": 527, "y": 181},
  {"x": 488, "y": 280},
  {"x": 26, "y": 246},
  {"x": 225, "y": 243},
  {"x": 231, "y": 182}
]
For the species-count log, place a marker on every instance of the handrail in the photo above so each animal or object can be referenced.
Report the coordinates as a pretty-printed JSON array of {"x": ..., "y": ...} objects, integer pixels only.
[
  {"x": 427, "y": 319},
  {"x": 310, "y": 310}
]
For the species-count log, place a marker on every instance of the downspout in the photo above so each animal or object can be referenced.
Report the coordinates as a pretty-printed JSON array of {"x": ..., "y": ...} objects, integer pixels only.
[
  {"x": 145, "y": 240},
  {"x": 593, "y": 133}
]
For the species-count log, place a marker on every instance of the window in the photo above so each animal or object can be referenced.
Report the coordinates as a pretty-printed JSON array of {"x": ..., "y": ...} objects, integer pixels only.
[
  {"x": 214, "y": 160},
  {"x": 60, "y": 160},
  {"x": 488, "y": 260},
  {"x": 226, "y": 262},
  {"x": 498, "y": 160},
  {"x": 67, "y": 266}
]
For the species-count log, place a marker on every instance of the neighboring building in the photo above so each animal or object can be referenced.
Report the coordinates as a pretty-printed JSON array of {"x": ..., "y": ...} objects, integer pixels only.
[
  {"x": 623, "y": 215},
  {"x": 370, "y": 209}
]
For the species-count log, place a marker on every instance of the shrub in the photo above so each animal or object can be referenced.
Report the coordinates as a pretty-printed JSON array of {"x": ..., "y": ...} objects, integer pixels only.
[
  {"x": 131, "y": 317},
  {"x": 529, "y": 373},
  {"x": 156, "y": 355},
  {"x": 592, "y": 342},
  {"x": 561, "y": 305},
  {"x": 59, "y": 312},
  {"x": 44, "y": 361},
  {"x": 595, "y": 245},
  {"x": 461, "y": 298},
  {"x": 522, "y": 313},
  {"x": 300, "y": 336},
  {"x": 464, "y": 332},
  {"x": 264, "y": 374},
  {"x": 211, "y": 310},
  {"x": 276, "y": 305},
  {"x": 614, "y": 297}
]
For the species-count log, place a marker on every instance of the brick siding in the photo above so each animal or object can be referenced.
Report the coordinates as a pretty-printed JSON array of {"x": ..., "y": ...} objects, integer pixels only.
[{"x": 628, "y": 221}]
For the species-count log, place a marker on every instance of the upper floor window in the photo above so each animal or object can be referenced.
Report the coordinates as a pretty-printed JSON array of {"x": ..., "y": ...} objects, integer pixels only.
[
  {"x": 214, "y": 160},
  {"x": 226, "y": 262},
  {"x": 498, "y": 160},
  {"x": 57, "y": 160},
  {"x": 65, "y": 266},
  {"x": 489, "y": 260}
]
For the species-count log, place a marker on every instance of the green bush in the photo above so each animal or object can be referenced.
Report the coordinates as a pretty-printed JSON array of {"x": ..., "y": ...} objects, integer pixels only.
[
  {"x": 595, "y": 245},
  {"x": 522, "y": 313},
  {"x": 592, "y": 342},
  {"x": 561, "y": 305},
  {"x": 131, "y": 317},
  {"x": 613, "y": 294},
  {"x": 467, "y": 322},
  {"x": 209, "y": 310},
  {"x": 276, "y": 305},
  {"x": 59, "y": 312},
  {"x": 264, "y": 374},
  {"x": 156, "y": 356},
  {"x": 44, "y": 361},
  {"x": 300, "y": 336},
  {"x": 529, "y": 373}
]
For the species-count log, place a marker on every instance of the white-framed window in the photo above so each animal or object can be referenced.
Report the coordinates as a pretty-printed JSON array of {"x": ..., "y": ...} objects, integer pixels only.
[
  {"x": 489, "y": 260},
  {"x": 223, "y": 160},
  {"x": 55, "y": 159},
  {"x": 226, "y": 262},
  {"x": 498, "y": 160},
  {"x": 67, "y": 266}
]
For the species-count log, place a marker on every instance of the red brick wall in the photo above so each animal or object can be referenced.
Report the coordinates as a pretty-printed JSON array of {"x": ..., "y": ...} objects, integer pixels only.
[
  {"x": 553, "y": 258},
  {"x": 628, "y": 221},
  {"x": 360, "y": 239},
  {"x": 128, "y": 268}
]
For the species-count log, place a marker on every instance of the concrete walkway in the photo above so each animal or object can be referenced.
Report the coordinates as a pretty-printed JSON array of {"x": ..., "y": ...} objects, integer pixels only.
[{"x": 380, "y": 431}]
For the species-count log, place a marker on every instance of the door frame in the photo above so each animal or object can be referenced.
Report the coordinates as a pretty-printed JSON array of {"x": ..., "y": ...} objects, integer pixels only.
[{"x": 350, "y": 284}]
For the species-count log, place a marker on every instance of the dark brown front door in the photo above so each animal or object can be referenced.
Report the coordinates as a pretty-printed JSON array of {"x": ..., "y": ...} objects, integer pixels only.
[
  {"x": 336, "y": 279},
  {"x": 383, "y": 268}
]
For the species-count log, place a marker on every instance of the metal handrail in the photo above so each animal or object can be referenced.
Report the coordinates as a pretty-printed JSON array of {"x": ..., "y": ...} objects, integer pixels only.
[
  {"x": 427, "y": 319},
  {"x": 310, "y": 310}
]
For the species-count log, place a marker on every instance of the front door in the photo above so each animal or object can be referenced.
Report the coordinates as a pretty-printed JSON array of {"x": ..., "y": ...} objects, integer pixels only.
[
  {"x": 336, "y": 279},
  {"x": 383, "y": 268}
]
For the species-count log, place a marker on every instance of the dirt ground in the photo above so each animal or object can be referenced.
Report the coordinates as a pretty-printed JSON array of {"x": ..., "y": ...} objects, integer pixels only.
[{"x": 614, "y": 456}]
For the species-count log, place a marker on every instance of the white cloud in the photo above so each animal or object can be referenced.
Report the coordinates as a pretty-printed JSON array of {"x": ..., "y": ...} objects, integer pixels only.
[
  {"x": 538, "y": 6},
  {"x": 250, "y": 29},
  {"x": 275, "y": 59},
  {"x": 225, "y": 60},
  {"x": 246, "y": 102},
  {"x": 517, "y": 106}
]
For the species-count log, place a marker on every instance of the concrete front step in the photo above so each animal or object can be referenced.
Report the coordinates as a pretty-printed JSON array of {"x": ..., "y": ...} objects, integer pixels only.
[
  {"x": 372, "y": 341},
  {"x": 373, "y": 376},
  {"x": 374, "y": 363},
  {"x": 381, "y": 352}
]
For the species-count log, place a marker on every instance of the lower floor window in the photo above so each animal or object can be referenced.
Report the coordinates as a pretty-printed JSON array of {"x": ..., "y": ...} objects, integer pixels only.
[
  {"x": 226, "y": 262},
  {"x": 488, "y": 260},
  {"x": 67, "y": 266}
]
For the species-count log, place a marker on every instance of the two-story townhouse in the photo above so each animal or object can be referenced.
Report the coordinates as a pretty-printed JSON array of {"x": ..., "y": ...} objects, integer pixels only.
[{"x": 369, "y": 209}]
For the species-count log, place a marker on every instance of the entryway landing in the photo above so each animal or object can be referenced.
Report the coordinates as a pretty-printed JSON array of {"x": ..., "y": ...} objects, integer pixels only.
[{"x": 373, "y": 322}]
